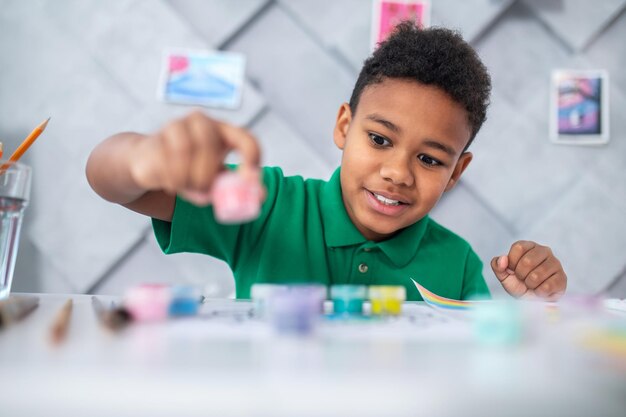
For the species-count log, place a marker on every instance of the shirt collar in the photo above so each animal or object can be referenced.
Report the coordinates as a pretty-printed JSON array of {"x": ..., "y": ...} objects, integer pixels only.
[
  {"x": 338, "y": 228},
  {"x": 340, "y": 231}
]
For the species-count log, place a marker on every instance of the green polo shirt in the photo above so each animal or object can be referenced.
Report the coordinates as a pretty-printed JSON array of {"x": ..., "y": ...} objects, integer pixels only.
[{"x": 304, "y": 234}]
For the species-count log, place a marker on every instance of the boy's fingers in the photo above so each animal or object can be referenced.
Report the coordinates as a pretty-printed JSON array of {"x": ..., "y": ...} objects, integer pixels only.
[
  {"x": 517, "y": 251},
  {"x": 509, "y": 281},
  {"x": 547, "y": 288},
  {"x": 514, "y": 286},
  {"x": 209, "y": 154},
  {"x": 179, "y": 148},
  {"x": 531, "y": 260},
  {"x": 244, "y": 143},
  {"x": 199, "y": 198},
  {"x": 552, "y": 287},
  {"x": 542, "y": 272},
  {"x": 507, "y": 278},
  {"x": 499, "y": 266},
  {"x": 555, "y": 296},
  {"x": 525, "y": 257},
  {"x": 530, "y": 270}
]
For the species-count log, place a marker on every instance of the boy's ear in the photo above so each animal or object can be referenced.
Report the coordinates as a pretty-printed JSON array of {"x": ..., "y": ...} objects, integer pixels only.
[
  {"x": 461, "y": 164},
  {"x": 344, "y": 117}
]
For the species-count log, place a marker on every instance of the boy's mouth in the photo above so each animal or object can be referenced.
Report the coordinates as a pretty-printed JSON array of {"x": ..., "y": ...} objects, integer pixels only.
[
  {"x": 386, "y": 200},
  {"x": 386, "y": 204}
]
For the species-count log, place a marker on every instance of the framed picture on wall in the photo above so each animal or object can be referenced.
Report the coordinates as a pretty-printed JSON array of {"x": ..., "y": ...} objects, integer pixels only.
[
  {"x": 579, "y": 107},
  {"x": 202, "y": 78},
  {"x": 388, "y": 13}
]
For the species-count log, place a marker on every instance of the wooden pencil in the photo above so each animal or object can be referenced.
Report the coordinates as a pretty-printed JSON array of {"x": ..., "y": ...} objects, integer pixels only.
[
  {"x": 29, "y": 141},
  {"x": 61, "y": 322},
  {"x": 24, "y": 145},
  {"x": 15, "y": 308},
  {"x": 114, "y": 319}
]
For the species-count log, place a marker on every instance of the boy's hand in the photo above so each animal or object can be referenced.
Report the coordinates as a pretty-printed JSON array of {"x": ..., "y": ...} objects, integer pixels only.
[
  {"x": 186, "y": 156},
  {"x": 529, "y": 270}
]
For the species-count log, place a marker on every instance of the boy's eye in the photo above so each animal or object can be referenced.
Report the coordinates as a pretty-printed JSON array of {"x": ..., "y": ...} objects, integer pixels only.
[
  {"x": 428, "y": 160},
  {"x": 377, "y": 139}
]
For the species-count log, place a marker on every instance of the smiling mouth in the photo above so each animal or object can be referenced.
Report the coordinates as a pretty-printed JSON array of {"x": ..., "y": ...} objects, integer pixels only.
[{"x": 386, "y": 201}]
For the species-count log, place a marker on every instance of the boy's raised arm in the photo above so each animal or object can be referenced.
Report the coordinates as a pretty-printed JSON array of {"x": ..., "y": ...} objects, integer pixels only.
[{"x": 145, "y": 172}]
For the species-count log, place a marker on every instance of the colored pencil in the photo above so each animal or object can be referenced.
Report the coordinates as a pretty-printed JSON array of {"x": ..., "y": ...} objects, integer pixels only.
[
  {"x": 24, "y": 145},
  {"x": 15, "y": 308},
  {"x": 114, "y": 318},
  {"x": 29, "y": 141},
  {"x": 61, "y": 322}
]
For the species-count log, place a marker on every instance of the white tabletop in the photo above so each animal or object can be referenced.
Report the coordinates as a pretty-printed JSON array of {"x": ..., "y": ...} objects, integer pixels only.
[{"x": 223, "y": 363}]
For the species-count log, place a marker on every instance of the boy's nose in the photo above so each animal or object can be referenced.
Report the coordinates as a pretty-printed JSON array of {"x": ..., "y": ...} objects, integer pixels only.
[{"x": 397, "y": 170}]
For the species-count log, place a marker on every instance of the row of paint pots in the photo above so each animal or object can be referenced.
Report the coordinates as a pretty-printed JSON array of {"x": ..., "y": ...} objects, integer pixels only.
[
  {"x": 151, "y": 302},
  {"x": 295, "y": 308}
]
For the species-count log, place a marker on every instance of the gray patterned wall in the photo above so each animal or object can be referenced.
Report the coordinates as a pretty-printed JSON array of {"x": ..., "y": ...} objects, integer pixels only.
[{"x": 93, "y": 66}]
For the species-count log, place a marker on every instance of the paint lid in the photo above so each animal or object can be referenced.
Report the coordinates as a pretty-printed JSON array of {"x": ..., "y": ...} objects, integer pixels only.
[
  {"x": 318, "y": 291},
  {"x": 348, "y": 291},
  {"x": 386, "y": 292},
  {"x": 262, "y": 291}
]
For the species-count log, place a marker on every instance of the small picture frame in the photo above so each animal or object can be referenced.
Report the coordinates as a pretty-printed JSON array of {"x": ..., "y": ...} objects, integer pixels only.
[
  {"x": 579, "y": 107},
  {"x": 388, "y": 13},
  {"x": 202, "y": 78}
]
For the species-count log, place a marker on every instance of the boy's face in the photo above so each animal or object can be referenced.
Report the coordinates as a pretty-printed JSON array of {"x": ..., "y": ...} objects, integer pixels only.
[{"x": 402, "y": 149}]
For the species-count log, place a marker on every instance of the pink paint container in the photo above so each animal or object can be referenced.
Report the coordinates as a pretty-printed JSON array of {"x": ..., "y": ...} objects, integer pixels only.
[
  {"x": 235, "y": 198},
  {"x": 148, "y": 302}
]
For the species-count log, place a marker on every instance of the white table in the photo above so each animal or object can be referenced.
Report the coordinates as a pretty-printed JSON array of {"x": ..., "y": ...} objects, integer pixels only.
[{"x": 221, "y": 366}]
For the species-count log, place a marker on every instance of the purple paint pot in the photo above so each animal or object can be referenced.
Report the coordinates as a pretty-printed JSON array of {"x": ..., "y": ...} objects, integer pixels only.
[{"x": 295, "y": 310}]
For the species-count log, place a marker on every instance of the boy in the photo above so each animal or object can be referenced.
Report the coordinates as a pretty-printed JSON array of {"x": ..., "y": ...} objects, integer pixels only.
[{"x": 416, "y": 107}]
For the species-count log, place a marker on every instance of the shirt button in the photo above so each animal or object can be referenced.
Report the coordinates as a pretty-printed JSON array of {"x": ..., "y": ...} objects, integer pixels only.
[
  {"x": 367, "y": 249},
  {"x": 363, "y": 268}
]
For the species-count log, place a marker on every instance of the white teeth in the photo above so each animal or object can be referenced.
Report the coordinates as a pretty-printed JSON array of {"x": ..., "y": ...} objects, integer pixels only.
[{"x": 385, "y": 200}]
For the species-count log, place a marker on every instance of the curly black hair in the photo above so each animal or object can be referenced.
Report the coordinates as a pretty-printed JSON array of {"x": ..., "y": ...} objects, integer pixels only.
[{"x": 433, "y": 56}]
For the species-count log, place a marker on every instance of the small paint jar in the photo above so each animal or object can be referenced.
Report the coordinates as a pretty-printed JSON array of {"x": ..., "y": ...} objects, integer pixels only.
[
  {"x": 319, "y": 293},
  {"x": 386, "y": 300},
  {"x": 295, "y": 310},
  {"x": 497, "y": 323},
  {"x": 185, "y": 300},
  {"x": 348, "y": 299},
  {"x": 236, "y": 199},
  {"x": 148, "y": 302},
  {"x": 260, "y": 294}
]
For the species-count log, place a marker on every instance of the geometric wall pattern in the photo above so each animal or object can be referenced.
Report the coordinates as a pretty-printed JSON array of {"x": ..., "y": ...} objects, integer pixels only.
[{"x": 93, "y": 66}]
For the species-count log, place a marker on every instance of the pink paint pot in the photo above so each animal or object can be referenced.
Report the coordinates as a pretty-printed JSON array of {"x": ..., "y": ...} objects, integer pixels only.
[
  {"x": 236, "y": 199},
  {"x": 148, "y": 302}
]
